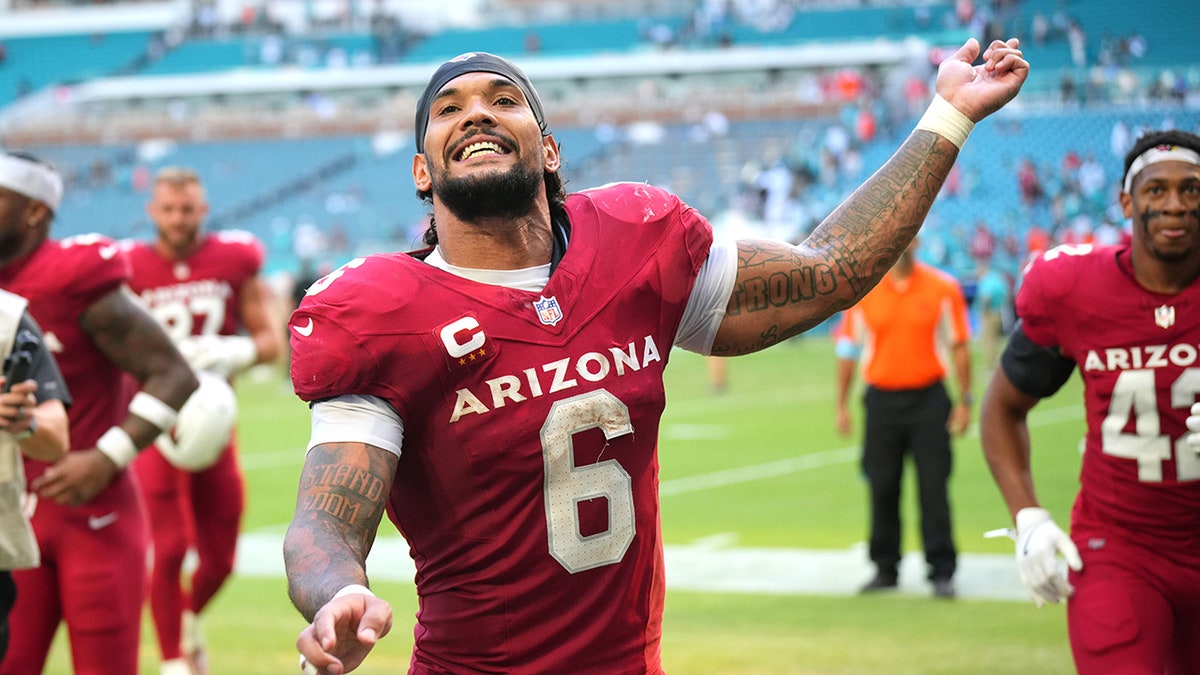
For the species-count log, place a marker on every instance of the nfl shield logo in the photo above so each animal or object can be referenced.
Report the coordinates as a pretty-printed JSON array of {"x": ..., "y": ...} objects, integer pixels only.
[
  {"x": 1164, "y": 316},
  {"x": 549, "y": 313}
]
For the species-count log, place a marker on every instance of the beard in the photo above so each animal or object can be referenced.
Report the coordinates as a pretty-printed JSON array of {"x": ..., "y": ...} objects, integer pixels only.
[
  {"x": 11, "y": 243},
  {"x": 1166, "y": 256},
  {"x": 495, "y": 194}
]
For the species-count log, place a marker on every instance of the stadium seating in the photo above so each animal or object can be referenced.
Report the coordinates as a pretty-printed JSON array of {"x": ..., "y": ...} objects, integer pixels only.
[
  {"x": 346, "y": 182},
  {"x": 31, "y": 63},
  {"x": 268, "y": 186}
]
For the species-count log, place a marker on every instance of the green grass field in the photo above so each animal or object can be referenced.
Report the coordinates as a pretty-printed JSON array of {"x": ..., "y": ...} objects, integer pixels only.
[{"x": 779, "y": 406}]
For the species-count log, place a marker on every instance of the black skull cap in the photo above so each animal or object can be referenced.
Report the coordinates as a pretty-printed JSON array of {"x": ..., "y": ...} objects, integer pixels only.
[{"x": 474, "y": 62}]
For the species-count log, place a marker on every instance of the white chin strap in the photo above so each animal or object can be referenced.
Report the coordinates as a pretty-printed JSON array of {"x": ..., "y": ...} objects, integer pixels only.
[
  {"x": 1161, "y": 153},
  {"x": 31, "y": 179}
]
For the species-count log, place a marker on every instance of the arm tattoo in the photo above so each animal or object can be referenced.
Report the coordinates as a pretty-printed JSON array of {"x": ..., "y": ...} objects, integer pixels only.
[
  {"x": 784, "y": 290},
  {"x": 865, "y": 235},
  {"x": 343, "y": 495}
]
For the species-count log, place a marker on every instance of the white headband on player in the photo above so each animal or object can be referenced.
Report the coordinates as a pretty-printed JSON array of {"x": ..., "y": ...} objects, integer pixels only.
[
  {"x": 36, "y": 181},
  {"x": 1160, "y": 153}
]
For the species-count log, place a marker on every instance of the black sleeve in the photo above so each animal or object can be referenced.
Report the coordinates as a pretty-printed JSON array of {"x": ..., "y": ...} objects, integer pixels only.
[
  {"x": 43, "y": 367},
  {"x": 1033, "y": 369}
]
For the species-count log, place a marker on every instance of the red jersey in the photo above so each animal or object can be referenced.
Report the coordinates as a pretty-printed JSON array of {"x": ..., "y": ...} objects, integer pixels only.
[
  {"x": 527, "y": 487},
  {"x": 1139, "y": 355},
  {"x": 200, "y": 295},
  {"x": 61, "y": 280}
]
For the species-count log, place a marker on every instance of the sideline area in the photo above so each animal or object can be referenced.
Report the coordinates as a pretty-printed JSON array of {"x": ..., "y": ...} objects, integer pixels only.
[{"x": 703, "y": 567}]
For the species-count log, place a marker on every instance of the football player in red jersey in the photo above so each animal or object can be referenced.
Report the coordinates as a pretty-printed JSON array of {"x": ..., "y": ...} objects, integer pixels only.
[
  {"x": 499, "y": 393},
  {"x": 88, "y": 517},
  {"x": 1125, "y": 316},
  {"x": 206, "y": 290}
]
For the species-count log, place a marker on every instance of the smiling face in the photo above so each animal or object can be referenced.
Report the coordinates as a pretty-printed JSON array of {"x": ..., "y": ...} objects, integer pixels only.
[
  {"x": 1164, "y": 206},
  {"x": 485, "y": 154}
]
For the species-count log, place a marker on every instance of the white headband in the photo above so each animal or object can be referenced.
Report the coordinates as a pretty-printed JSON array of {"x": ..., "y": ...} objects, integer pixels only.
[
  {"x": 1160, "y": 153},
  {"x": 36, "y": 181}
]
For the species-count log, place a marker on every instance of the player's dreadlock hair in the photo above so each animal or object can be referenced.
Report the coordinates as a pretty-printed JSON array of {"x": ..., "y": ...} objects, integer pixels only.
[{"x": 556, "y": 193}]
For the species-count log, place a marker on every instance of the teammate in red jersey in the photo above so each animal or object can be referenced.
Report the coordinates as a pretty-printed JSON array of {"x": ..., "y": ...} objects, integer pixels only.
[
  {"x": 499, "y": 393},
  {"x": 206, "y": 290},
  {"x": 1126, "y": 317},
  {"x": 87, "y": 515}
]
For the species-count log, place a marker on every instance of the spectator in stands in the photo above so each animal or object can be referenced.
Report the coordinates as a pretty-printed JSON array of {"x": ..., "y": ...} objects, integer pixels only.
[
  {"x": 1077, "y": 40},
  {"x": 1067, "y": 88},
  {"x": 1029, "y": 182},
  {"x": 983, "y": 242},
  {"x": 1120, "y": 138},
  {"x": 89, "y": 519},
  {"x": 1093, "y": 183},
  {"x": 916, "y": 93},
  {"x": 532, "y": 42},
  {"x": 499, "y": 392},
  {"x": 1039, "y": 28},
  {"x": 208, "y": 292},
  {"x": 993, "y": 301},
  {"x": 913, "y": 315}
]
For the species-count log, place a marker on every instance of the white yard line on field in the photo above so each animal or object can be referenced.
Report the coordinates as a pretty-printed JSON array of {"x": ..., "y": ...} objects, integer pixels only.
[
  {"x": 745, "y": 474},
  {"x": 814, "y": 460},
  {"x": 708, "y": 569},
  {"x": 710, "y": 566},
  {"x": 1038, "y": 418}
]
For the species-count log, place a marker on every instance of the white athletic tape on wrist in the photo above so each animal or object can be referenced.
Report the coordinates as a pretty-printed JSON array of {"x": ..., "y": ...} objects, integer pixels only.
[
  {"x": 153, "y": 410},
  {"x": 118, "y": 446},
  {"x": 946, "y": 121},
  {"x": 352, "y": 588}
]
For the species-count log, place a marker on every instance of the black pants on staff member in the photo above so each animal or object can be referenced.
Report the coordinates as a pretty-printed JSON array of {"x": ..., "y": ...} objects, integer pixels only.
[
  {"x": 8, "y": 596},
  {"x": 899, "y": 424}
]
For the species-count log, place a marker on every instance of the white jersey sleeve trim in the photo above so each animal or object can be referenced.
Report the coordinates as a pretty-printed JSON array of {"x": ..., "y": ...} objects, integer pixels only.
[
  {"x": 354, "y": 418},
  {"x": 710, "y": 297}
]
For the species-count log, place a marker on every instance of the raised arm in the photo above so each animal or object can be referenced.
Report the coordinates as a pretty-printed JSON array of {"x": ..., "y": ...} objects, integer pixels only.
[
  {"x": 342, "y": 498},
  {"x": 783, "y": 290}
]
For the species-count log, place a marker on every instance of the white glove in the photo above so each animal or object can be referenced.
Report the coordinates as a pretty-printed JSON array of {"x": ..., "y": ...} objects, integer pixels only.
[
  {"x": 1193, "y": 425},
  {"x": 220, "y": 354},
  {"x": 1039, "y": 539}
]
